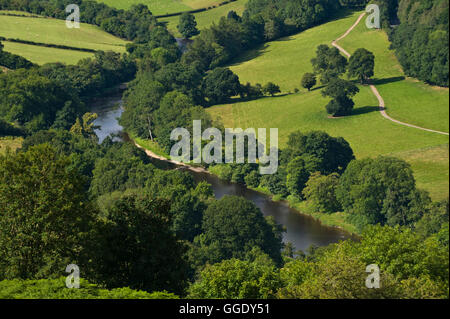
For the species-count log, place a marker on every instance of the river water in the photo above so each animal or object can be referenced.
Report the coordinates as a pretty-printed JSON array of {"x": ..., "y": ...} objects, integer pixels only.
[{"x": 301, "y": 230}]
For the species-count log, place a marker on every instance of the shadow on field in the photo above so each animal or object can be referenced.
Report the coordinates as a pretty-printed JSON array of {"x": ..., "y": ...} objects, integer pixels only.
[
  {"x": 387, "y": 80},
  {"x": 365, "y": 110},
  {"x": 250, "y": 55}
]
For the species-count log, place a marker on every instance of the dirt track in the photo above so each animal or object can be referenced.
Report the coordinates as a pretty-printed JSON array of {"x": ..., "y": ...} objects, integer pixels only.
[{"x": 381, "y": 103}]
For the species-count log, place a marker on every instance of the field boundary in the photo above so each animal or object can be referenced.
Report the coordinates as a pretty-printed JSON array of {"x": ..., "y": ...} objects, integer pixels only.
[
  {"x": 382, "y": 106},
  {"x": 49, "y": 45},
  {"x": 168, "y": 15}
]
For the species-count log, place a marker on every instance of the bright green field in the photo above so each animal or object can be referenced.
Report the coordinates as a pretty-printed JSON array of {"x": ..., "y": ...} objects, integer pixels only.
[
  {"x": 406, "y": 100},
  {"x": 285, "y": 61},
  {"x": 54, "y": 31},
  {"x": 41, "y": 55},
  {"x": 206, "y": 18},
  {"x": 160, "y": 7}
]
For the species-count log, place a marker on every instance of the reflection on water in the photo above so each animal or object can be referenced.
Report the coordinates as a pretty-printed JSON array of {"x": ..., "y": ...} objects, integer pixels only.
[{"x": 301, "y": 230}]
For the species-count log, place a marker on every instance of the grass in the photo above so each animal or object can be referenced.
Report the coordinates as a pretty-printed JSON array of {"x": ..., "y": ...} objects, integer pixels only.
[
  {"x": 206, "y": 18},
  {"x": 54, "y": 31},
  {"x": 406, "y": 99},
  {"x": 11, "y": 143},
  {"x": 41, "y": 55},
  {"x": 160, "y": 7},
  {"x": 370, "y": 135}
]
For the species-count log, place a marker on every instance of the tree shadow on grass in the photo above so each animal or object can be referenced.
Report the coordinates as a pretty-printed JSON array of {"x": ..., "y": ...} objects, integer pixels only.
[
  {"x": 364, "y": 110},
  {"x": 387, "y": 80},
  {"x": 250, "y": 55}
]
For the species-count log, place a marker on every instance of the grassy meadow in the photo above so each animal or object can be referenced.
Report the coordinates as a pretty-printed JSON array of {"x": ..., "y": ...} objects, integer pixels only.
[
  {"x": 286, "y": 60},
  {"x": 206, "y": 18},
  {"x": 41, "y": 55},
  {"x": 160, "y": 7},
  {"x": 53, "y": 31}
]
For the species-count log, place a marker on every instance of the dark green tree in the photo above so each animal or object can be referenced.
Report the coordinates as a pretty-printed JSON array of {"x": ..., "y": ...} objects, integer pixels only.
[
  {"x": 320, "y": 151},
  {"x": 187, "y": 25},
  {"x": 221, "y": 84},
  {"x": 45, "y": 215},
  {"x": 309, "y": 80},
  {"x": 135, "y": 247},
  {"x": 233, "y": 226},
  {"x": 329, "y": 63},
  {"x": 341, "y": 92},
  {"x": 361, "y": 65},
  {"x": 271, "y": 89}
]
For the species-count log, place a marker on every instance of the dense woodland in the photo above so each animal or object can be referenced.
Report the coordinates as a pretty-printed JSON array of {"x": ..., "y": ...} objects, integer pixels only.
[{"x": 120, "y": 214}]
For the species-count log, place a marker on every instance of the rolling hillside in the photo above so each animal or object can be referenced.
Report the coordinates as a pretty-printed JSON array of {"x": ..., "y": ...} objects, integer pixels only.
[
  {"x": 53, "y": 31},
  {"x": 160, "y": 7},
  {"x": 206, "y": 18},
  {"x": 286, "y": 60}
]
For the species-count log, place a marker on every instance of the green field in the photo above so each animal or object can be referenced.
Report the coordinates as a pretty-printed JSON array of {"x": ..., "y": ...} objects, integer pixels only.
[
  {"x": 160, "y": 7},
  {"x": 206, "y": 18},
  {"x": 53, "y": 31},
  {"x": 285, "y": 61},
  {"x": 406, "y": 100},
  {"x": 41, "y": 55}
]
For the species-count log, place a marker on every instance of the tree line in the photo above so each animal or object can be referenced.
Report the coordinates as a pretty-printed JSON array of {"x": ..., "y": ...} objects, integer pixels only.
[
  {"x": 137, "y": 231},
  {"x": 54, "y": 94}
]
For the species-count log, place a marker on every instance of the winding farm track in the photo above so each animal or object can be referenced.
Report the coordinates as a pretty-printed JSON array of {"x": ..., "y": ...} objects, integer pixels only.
[{"x": 373, "y": 88}]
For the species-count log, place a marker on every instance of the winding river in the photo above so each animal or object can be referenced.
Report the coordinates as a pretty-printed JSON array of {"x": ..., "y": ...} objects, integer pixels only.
[{"x": 301, "y": 230}]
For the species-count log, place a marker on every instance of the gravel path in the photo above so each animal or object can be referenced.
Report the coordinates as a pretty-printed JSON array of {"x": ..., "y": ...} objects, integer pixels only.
[{"x": 374, "y": 89}]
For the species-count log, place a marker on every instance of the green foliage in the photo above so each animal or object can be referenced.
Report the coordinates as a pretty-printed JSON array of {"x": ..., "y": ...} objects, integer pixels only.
[
  {"x": 409, "y": 268},
  {"x": 329, "y": 64},
  {"x": 56, "y": 289},
  {"x": 320, "y": 191},
  {"x": 83, "y": 152},
  {"x": 220, "y": 84},
  {"x": 297, "y": 176},
  {"x": 123, "y": 166},
  {"x": 320, "y": 151},
  {"x": 309, "y": 80},
  {"x": 421, "y": 40},
  {"x": 187, "y": 25},
  {"x": 135, "y": 247},
  {"x": 341, "y": 92},
  {"x": 237, "y": 279},
  {"x": 271, "y": 89},
  {"x": 361, "y": 65},
  {"x": 233, "y": 226},
  {"x": 42, "y": 202},
  {"x": 379, "y": 191},
  {"x": 434, "y": 219},
  {"x": 404, "y": 254}
]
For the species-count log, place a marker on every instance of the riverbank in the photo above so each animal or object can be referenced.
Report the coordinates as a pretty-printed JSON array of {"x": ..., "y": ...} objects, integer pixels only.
[{"x": 336, "y": 220}]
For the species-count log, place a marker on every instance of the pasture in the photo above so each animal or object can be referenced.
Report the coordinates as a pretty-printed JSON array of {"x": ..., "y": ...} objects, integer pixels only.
[{"x": 285, "y": 61}]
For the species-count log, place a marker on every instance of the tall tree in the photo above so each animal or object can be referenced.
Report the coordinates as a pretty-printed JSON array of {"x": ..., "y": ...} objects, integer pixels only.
[
  {"x": 361, "y": 65},
  {"x": 329, "y": 63},
  {"x": 309, "y": 80},
  {"x": 232, "y": 227},
  {"x": 341, "y": 92},
  {"x": 45, "y": 215},
  {"x": 136, "y": 248},
  {"x": 187, "y": 25}
]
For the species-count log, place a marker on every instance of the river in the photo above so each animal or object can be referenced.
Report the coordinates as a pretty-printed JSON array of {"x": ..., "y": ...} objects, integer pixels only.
[{"x": 301, "y": 230}]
